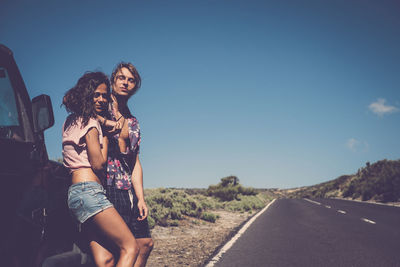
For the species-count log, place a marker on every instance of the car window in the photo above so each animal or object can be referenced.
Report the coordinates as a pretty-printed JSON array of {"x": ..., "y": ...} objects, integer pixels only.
[
  {"x": 8, "y": 107},
  {"x": 9, "y": 120}
]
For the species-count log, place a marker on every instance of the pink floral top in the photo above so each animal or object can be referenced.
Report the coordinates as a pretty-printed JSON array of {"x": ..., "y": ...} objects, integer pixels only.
[{"x": 120, "y": 165}]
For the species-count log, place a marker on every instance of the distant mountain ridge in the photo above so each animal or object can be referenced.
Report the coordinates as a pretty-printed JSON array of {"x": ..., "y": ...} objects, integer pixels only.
[{"x": 379, "y": 182}]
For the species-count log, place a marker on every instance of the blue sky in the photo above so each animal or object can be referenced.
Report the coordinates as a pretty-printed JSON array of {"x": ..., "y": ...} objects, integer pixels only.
[{"x": 279, "y": 93}]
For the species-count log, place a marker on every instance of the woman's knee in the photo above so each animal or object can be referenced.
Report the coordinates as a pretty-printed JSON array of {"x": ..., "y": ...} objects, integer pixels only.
[
  {"x": 101, "y": 255},
  {"x": 150, "y": 245},
  {"x": 109, "y": 261},
  {"x": 106, "y": 260},
  {"x": 146, "y": 245},
  {"x": 131, "y": 248}
]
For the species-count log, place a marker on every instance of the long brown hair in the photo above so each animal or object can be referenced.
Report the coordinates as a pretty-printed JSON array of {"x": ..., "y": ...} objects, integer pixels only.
[{"x": 79, "y": 99}]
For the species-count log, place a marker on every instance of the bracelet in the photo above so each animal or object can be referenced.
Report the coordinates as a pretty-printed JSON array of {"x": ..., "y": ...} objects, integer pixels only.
[{"x": 104, "y": 122}]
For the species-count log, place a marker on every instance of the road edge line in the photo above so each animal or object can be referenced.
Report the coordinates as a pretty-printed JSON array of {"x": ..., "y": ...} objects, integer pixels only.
[{"x": 230, "y": 243}]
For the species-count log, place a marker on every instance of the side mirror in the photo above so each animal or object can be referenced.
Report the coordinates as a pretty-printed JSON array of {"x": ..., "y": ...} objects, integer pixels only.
[{"x": 42, "y": 110}]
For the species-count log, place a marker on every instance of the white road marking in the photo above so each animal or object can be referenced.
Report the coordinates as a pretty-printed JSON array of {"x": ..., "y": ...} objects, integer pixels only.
[
  {"x": 368, "y": 221},
  {"x": 340, "y": 211},
  {"x": 229, "y": 244},
  {"x": 395, "y": 204},
  {"x": 312, "y": 201}
]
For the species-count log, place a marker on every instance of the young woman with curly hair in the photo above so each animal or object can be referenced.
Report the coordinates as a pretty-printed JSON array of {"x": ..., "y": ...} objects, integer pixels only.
[{"x": 85, "y": 154}]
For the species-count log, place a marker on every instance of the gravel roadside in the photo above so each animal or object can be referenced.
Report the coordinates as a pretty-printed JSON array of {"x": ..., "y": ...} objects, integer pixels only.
[{"x": 194, "y": 241}]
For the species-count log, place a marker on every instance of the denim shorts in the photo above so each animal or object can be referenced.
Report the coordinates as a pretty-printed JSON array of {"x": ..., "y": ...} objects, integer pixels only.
[{"x": 86, "y": 199}]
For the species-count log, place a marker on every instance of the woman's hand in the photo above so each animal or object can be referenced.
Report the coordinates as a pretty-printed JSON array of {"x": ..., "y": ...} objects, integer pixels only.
[
  {"x": 109, "y": 126},
  {"x": 143, "y": 210}
]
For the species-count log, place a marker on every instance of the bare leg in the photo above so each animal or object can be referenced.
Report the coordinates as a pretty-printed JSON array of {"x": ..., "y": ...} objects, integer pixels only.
[
  {"x": 145, "y": 247},
  {"x": 102, "y": 257},
  {"x": 113, "y": 226}
]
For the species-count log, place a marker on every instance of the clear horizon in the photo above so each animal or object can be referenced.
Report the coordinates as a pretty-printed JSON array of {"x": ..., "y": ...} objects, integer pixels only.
[{"x": 281, "y": 94}]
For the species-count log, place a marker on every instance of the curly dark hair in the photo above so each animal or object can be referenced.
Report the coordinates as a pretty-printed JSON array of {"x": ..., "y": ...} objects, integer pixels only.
[
  {"x": 133, "y": 70},
  {"x": 79, "y": 99}
]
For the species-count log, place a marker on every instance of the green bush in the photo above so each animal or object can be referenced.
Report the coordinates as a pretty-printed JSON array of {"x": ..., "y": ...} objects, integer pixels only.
[
  {"x": 224, "y": 193},
  {"x": 207, "y": 202},
  {"x": 151, "y": 222},
  {"x": 229, "y": 189},
  {"x": 247, "y": 191},
  {"x": 168, "y": 206},
  {"x": 246, "y": 203},
  {"x": 209, "y": 217},
  {"x": 174, "y": 223}
]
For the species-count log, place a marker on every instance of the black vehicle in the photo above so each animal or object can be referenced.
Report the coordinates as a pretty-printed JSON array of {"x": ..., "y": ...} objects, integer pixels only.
[{"x": 35, "y": 223}]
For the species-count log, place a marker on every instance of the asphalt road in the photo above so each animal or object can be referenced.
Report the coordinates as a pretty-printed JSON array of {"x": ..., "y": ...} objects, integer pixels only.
[{"x": 319, "y": 232}]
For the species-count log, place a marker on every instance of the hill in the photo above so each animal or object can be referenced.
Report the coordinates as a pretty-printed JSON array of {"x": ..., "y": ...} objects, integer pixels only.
[{"x": 379, "y": 182}]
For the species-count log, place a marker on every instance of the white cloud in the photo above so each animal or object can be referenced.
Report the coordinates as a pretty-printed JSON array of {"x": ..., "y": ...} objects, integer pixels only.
[
  {"x": 352, "y": 143},
  {"x": 379, "y": 107},
  {"x": 357, "y": 145}
]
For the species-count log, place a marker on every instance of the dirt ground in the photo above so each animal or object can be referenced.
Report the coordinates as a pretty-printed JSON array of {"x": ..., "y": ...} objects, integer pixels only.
[{"x": 194, "y": 241}]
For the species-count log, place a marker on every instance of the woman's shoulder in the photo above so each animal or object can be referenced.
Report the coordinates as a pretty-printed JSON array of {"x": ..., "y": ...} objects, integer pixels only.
[
  {"x": 70, "y": 121},
  {"x": 78, "y": 122},
  {"x": 74, "y": 127},
  {"x": 93, "y": 122}
]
